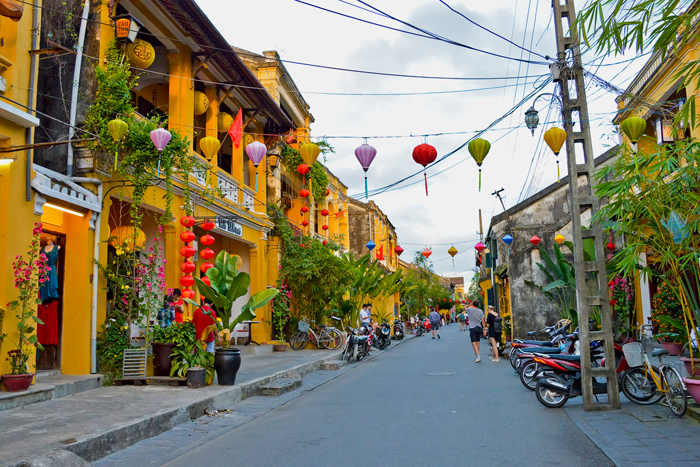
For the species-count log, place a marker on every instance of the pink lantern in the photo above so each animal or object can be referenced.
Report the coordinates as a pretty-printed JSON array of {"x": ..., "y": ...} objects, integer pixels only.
[
  {"x": 160, "y": 137},
  {"x": 256, "y": 151},
  {"x": 365, "y": 155},
  {"x": 480, "y": 247}
]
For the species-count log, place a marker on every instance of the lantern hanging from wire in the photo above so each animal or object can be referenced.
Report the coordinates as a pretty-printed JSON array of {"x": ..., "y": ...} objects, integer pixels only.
[
  {"x": 479, "y": 149},
  {"x": 207, "y": 225},
  {"x": 160, "y": 137},
  {"x": 634, "y": 128},
  {"x": 479, "y": 247},
  {"x": 207, "y": 240},
  {"x": 304, "y": 192},
  {"x": 453, "y": 251},
  {"x": 508, "y": 239},
  {"x": 370, "y": 245},
  {"x": 398, "y": 250},
  {"x": 309, "y": 152},
  {"x": 555, "y": 138},
  {"x": 256, "y": 151},
  {"x": 207, "y": 253},
  {"x": 206, "y": 280},
  {"x": 187, "y": 251},
  {"x": 187, "y": 236},
  {"x": 188, "y": 267},
  {"x": 187, "y": 221},
  {"x": 535, "y": 240},
  {"x": 427, "y": 252},
  {"x": 559, "y": 239},
  {"x": 365, "y": 155},
  {"x": 325, "y": 212},
  {"x": 118, "y": 129},
  {"x": 424, "y": 154},
  {"x": 205, "y": 267},
  {"x": 187, "y": 280},
  {"x": 187, "y": 293}
]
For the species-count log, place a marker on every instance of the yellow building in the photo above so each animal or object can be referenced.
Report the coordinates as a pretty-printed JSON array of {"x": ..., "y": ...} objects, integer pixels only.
[{"x": 369, "y": 224}]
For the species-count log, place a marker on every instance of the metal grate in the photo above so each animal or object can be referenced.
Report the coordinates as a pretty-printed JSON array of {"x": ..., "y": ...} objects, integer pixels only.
[{"x": 134, "y": 363}]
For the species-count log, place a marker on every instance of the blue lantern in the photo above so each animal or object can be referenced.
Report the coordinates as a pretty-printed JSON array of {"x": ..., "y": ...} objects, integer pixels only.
[
  {"x": 508, "y": 239},
  {"x": 370, "y": 245}
]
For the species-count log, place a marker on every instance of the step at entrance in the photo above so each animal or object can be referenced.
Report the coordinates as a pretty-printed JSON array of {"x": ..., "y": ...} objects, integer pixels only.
[{"x": 50, "y": 386}]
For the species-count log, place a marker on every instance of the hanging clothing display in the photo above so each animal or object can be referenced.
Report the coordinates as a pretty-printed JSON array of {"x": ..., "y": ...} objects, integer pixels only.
[
  {"x": 49, "y": 289},
  {"x": 47, "y": 333}
]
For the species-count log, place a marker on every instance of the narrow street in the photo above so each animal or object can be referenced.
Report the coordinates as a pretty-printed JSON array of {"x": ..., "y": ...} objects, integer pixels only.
[{"x": 423, "y": 403}]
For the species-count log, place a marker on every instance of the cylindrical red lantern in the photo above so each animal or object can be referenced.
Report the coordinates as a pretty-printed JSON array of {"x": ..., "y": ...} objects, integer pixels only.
[
  {"x": 188, "y": 267},
  {"x": 305, "y": 223},
  {"x": 207, "y": 240},
  {"x": 205, "y": 267},
  {"x": 207, "y": 253},
  {"x": 187, "y": 251},
  {"x": 187, "y": 293},
  {"x": 188, "y": 221},
  {"x": 207, "y": 225},
  {"x": 325, "y": 212},
  {"x": 304, "y": 209},
  {"x": 324, "y": 227},
  {"x": 206, "y": 280},
  {"x": 303, "y": 169},
  {"x": 304, "y": 192},
  {"x": 424, "y": 154},
  {"x": 187, "y": 236},
  {"x": 535, "y": 240},
  {"x": 187, "y": 281}
]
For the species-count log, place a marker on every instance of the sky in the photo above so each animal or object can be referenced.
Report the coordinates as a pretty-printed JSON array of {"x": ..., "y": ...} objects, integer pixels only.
[{"x": 449, "y": 215}]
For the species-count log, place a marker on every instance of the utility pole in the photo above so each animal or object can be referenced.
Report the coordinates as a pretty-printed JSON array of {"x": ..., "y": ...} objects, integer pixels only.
[{"x": 568, "y": 71}]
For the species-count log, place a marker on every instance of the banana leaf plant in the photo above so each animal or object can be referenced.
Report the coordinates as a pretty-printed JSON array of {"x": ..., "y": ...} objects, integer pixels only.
[{"x": 227, "y": 285}]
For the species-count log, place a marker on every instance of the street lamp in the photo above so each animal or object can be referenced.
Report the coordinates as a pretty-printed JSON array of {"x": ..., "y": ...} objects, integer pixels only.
[
  {"x": 532, "y": 118},
  {"x": 126, "y": 28}
]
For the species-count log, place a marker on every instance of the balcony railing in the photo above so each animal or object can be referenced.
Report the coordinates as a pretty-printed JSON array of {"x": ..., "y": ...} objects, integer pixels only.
[{"x": 229, "y": 187}]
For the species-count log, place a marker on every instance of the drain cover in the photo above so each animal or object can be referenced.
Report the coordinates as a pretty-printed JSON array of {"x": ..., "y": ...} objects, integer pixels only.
[{"x": 442, "y": 373}]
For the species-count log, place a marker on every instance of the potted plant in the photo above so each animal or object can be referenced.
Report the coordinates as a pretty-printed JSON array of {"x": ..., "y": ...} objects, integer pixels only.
[
  {"x": 164, "y": 342},
  {"x": 29, "y": 274},
  {"x": 667, "y": 315},
  {"x": 192, "y": 357},
  {"x": 622, "y": 304},
  {"x": 280, "y": 314},
  {"x": 227, "y": 285}
]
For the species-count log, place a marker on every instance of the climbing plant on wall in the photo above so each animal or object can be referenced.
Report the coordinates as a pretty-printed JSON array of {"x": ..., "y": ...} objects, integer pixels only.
[{"x": 317, "y": 174}]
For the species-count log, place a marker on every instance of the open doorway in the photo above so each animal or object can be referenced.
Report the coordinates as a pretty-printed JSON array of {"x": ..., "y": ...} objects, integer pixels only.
[{"x": 50, "y": 311}]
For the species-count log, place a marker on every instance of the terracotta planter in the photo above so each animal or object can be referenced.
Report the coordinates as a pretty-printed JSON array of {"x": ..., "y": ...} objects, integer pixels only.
[
  {"x": 227, "y": 362},
  {"x": 280, "y": 347},
  {"x": 693, "y": 387},
  {"x": 16, "y": 383},
  {"x": 687, "y": 362},
  {"x": 162, "y": 358},
  {"x": 673, "y": 348}
]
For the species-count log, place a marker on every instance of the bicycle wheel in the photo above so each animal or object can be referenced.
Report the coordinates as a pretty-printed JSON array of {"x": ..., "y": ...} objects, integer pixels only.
[
  {"x": 324, "y": 339},
  {"x": 335, "y": 339},
  {"x": 639, "y": 386},
  {"x": 676, "y": 398},
  {"x": 340, "y": 333},
  {"x": 299, "y": 340}
]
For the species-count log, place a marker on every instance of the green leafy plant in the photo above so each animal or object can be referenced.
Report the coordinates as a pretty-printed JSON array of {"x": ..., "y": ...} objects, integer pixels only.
[
  {"x": 182, "y": 334},
  {"x": 622, "y": 303},
  {"x": 227, "y": 285},
  {"x": 192, "y": 356},
  {"x": 281, "y": 310},
  {"x": 666, "y": 314},
  {"x": 317, "y": 174},
  {"x": 111, "y": 343},
  {"x": 561, "y": 286}
]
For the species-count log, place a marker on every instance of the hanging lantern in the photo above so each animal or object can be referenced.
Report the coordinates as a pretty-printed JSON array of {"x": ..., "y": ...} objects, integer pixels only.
[
  {"x": 187, "y": 251},
  {"x": 370, "y": 245},
  {"x": 610, "y": 246},
  {"x": 309, "y": 152},
  {"x": 324, "y": 227},
  {"x": 141, "y": 54},
  {"x": 555, "y": 138},
  {"x": 207, "y": 253},
  {"x": 127, "y": 237},
  {"x": 187, "y": 280},
  {"x": 256, "y": 151},
  {"x": 325, "y": 242},
  {"x": 559, "y": 239},
  {"x": 188, "y": 221},
  {"x": 187, "y": 236},
  {"x": 224, "y": 121},
  {"x": 304, "y": 209},
  {"x": 479, "y": 148},
  {"x": 205, "y": 267},
  {"x": 398, "y": 250},
  {"x": 207, "y": 225},
  {"x": 304, "y": 192},
  {"x": 424, "y": 154},
  {"x": 160, "y": 137},
  {"x": 117, "y": 128},
  {"x": 187, "y": 293},
  {"x": 201, "y": 103},
  {"x": 325, "y": 212},
  {"x": 303, "y": 169},
  {"x": 328, "y": 192},
  {"x": 507, "y": 239},
  {"x": 535, "y": 240},
  {"x": 209, "y": 146},
  {"x": 634, "y": 128},
  {"x": 188, "y": 267},
  {"x": 532, "y": 119},
  {"x": 453, "y": 251},
  {"x": 206, "y": 280},
  {"x": 305, "y": 223},
  {"x": 427, "y": 252},
  {"x": 480, "y": 247},
  {"x": 207, "y": 240},
  {"x": 365, "y": 155}
]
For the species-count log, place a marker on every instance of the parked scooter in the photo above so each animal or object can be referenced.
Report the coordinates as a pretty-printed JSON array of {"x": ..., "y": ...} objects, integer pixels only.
[
  {"x": 557, "y": 336},
  {"x": 382, "y": 336},
  {"x": 529, "y": 369},
  {"x": 398, "y": 330},
  {"x": 420, "y": 327},
  {"x": 357, "y": 346}
]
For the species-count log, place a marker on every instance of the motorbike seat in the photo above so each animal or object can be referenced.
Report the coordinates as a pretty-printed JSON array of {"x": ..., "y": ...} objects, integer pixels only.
[
  {"x": 538, "y": 343},
  {"x": 532, "y": 334},
  {"x": 659, "y": 352},
  {"x": 546, "y": 350},
  {"x": 568, "y": 358}
]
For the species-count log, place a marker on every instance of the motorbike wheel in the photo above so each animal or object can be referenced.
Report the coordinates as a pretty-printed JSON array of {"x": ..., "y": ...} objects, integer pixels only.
[
  {"x": 528, "y": 373},
  {"x": 514, "y": 361},
  {"x": 299, "y": 340},
  {"x": 549, "y": 398},
  {"x": 361, "y": 355},
  {"x": 640, "y": 387}
]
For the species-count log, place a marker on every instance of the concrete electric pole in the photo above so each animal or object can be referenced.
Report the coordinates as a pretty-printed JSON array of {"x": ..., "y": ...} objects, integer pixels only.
[{"x": 591, "y": 280}]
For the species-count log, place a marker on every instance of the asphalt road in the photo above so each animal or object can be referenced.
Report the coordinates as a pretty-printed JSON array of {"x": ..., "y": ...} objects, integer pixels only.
[{"x": 423, "y": 403}]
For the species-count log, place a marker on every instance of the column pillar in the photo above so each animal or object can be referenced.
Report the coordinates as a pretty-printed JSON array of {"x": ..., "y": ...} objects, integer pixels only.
[{"x": 181, "y": 93}]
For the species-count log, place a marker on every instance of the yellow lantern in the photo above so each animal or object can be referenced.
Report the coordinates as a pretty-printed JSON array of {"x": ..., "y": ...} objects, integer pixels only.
[
  {"x": 309, "y": 152},
  {"x": 555, "y": 138},
  {"x": 225, "y": 120},
  {"x": 559, "y": 239},
  {"x": 125, "y": 237},
  {"x": 209, "y": 146},
  {"x": 141, "y": 54},
  {"x": 479, "y": 149},
  {"x": 117, "y": 128},
  {"x": 453, "y": 251},
  {"x": 239, "y": 262},
  {"x": 201, "y": 103}
]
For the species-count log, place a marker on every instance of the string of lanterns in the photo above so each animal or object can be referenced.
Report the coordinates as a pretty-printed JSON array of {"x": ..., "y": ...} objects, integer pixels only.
[{"x": 188, "y": 251}]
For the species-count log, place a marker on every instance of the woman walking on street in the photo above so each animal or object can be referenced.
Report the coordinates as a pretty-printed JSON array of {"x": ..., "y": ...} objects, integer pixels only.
[{"x": 495, "y": 325}]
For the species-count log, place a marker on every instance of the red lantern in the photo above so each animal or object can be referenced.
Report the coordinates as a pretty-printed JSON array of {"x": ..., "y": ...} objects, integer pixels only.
[
  {"x": 206, "y": 280},
  {"x": 325, "y": 212},
  {"x": 613, "y": 302},
  {"x": 480, "y": 247},
  {"x": 427, "y": 253},
  {"x": 305, "y": 223},
  {"x": 325, "y": 242},
  {"x": 610, "y": 246},
  {"x": 207, "y": 225},
  {"x": 424, "y": 154},
  {"x": 206, "y": 239},
  {"x": 303, "y": 169},
  {"x": 205, "y": 267},
  {"x": 188, "y": 221},
  {"x": 304, "y": 209},
  {"x": 187, "y": 293},
  {"x": 207, "y": 253},
  {"x": 535, "y": 240},
  {"x": 187, "y": 251},
  {"x": 328, "y": 192},
  {"x": 187, "y": 281},
  {"x": 187, "y": 236},
  {"x": 188, "y": 267},
  {"x": 324, "y": 227},
  {"x": 398, "y": 250},
  {"x": 304, "y": 192}
]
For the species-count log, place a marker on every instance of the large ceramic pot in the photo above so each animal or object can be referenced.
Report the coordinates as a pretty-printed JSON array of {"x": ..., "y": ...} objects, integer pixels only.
[
  {"x": 693, "y": 387},
  {"x": 673, "y": 348},
  {"x": 227, "y": 362},
  {"x": 162, "y": 358},
  {"x": 689, "y": 366},
  {"x": 15, "y": 383}
]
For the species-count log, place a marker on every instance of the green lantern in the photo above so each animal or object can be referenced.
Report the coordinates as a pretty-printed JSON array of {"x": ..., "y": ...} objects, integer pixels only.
[
  {"x": 479, "y": 148},
  {"x": 117, "y": 128},
  {"x": 634, "y": 128}
]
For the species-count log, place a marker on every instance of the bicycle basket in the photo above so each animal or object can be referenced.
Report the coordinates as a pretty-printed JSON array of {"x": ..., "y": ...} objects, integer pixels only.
[
  {"x": 633, "y": 353},
  {"x": 302, "y": 326}
]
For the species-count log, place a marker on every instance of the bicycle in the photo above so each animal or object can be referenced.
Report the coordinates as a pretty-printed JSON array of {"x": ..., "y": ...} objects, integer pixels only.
[
  {"x": 646, "y": 384},
  {"x": 326, "y": 338}
]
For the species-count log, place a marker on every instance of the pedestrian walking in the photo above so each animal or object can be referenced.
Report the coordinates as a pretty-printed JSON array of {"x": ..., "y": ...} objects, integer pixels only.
[
  {"x": 477, "y": 327},
  {"x": 460, "y": 319},
  {"x": 495, "y": 324},
  {"x": 434, "y": 318}
]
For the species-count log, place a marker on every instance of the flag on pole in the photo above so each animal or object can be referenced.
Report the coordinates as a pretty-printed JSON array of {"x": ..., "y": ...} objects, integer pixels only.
[
  {"x": 380, "y": 253},
  {"x": 236, "y": 130},
  {"x": 290, "y": 137}
]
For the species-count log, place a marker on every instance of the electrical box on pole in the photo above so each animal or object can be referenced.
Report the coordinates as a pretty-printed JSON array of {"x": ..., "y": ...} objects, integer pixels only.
[{"x": 591, "y": 280}]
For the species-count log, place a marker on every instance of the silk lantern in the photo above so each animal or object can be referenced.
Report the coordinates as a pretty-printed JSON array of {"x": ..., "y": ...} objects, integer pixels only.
[
  {"x": 305, "y": 223},
  {"x": 141, "y": 55},
  {"x": 187, "y": 236},
  {"x": 187, "y": 280},
  {"x": 325, "y": 242},
  {"x": 309, "y": 152},
  {"x": 188, "y": 267},
  {"x": 508, "y": 239},
  {"x": 535, "y": 240},
  {"x": 634, "y": 128},
  {"x": 207, "y": 225},
  {"x": 325, "y": 212},
  {"x": 398, "y": 250},
  {"x": 427, "y": 252},
  {"x": 117, "y": 128},
  {"x": 205, "y": 267},
  {"x": 559, "y": 239},
  {"x": 207, "y": 253},
  {"x": 304, "y": 192},
  {"x": 187, "y": 293},
  {"x": 187, "y": 221},
  {"x": 201, "y": 103},
  {"x": 207, "y": 240},
  {"x": 127, "y": 237},
  {"x": 303, "y": 169},
  {"x": 224, "y": 121},
  {"x": 479, "y": 247},
  {"x": 187, "y": 251},
  {"x": 555, "y": 138},
  {"x": 324, "y": 227},
  {"x": 479, "y": 149},
  {"x": 256, "y": 151},
  {"x": 610, "y": 246},
  {"x": 453, "y": 251},
  {"x": 206, "y": 280},
  {"x": 370, "y": 245},
  {"x": 424, "y": 154},
  {"x": 209, "y": 146},
  {"x": 365, "y": 155},
  {"x": 304, "y": 209},
  {"x": 160, "y": 137}
]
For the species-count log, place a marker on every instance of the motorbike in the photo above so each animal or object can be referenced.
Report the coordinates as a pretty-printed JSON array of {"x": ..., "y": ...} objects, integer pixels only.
[
  {"x": 426, "y": 325},
  {"x": 382, "y": 336},
  {"x": 357, "y": 346},
  {"x": 557, "y": 335},
  {"x": 420, "y": 327},
  {"x": 398, "y": 330},
  {"x": 529, "y": 370}
]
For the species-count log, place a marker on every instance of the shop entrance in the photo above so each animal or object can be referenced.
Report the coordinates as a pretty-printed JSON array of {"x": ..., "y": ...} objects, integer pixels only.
[{"x": 50, "y": 311}]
